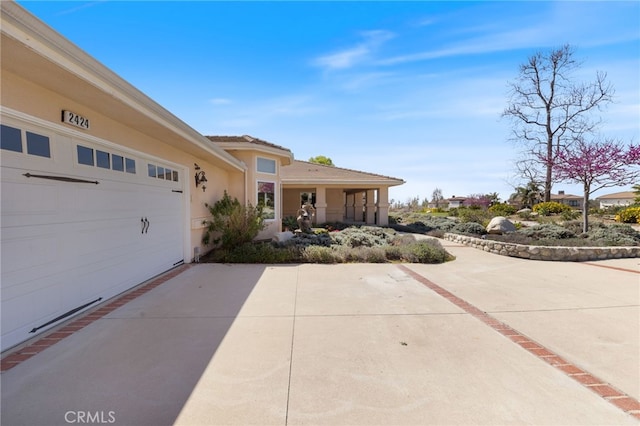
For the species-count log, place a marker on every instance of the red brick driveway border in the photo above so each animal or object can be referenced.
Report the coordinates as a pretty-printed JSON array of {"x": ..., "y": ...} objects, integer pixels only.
[
  {"x": 607, "y": 391},
  {"x": 15, "y": 357}
]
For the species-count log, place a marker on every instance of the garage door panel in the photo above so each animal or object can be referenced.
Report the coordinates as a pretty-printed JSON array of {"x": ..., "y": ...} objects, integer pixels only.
[
  {"x": 24, "y": 250},
  {"x": 65, "y": 244},
  {"x": 27, "y": 310}
]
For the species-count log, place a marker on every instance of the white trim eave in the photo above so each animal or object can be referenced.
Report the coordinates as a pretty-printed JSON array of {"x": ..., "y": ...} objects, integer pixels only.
[
  {"x": 342, "y": 182},
  {"x": 22, "y": 26}
]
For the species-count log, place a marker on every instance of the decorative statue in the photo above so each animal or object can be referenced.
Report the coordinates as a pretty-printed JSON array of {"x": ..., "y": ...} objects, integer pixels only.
[{"x": 305, "y": 213}]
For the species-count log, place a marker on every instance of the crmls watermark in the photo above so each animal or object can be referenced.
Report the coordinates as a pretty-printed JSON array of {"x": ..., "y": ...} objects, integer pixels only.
[{"x": 90, "y": 417}]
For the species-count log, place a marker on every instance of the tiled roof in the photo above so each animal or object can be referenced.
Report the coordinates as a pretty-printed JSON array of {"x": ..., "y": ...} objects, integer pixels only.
[
  {"x": 222, "y": 140},
  {"x": 306, "y": 172},
  {"x": 618, "y": 195},
  {"x": 565, "y": 197}
]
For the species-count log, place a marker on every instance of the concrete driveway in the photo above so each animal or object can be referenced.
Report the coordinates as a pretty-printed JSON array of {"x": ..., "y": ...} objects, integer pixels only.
[{"x": 484, "y": 339}]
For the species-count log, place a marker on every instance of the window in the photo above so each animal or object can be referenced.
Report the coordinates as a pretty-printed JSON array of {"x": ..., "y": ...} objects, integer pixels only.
[
  {"x": 266, "y": 199},
  {"x": 160, "y": 172},
  {"x": 10, "y": 139},
  {"x": 130, "y": 165},
  {"x": 117, "y": 163},
  {"x": 85, "y": 155},
  {"x": 103, "y": 159},
  {"x": 38, "y": 145},
  {"x": 266, "y": 165}
]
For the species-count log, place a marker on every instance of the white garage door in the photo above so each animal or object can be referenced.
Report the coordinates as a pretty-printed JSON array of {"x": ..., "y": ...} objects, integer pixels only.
[{"x": 81, "y": 222}]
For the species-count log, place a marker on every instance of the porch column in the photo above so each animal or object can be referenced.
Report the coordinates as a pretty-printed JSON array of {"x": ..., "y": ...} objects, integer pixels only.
[
  {"x": 321, "y": 204},
  {"x": 383, "y": 206},
  {"x": 358, "y": 205},
  {"x": 351, "y": 200},
  {"x": 370, "y": 207}
]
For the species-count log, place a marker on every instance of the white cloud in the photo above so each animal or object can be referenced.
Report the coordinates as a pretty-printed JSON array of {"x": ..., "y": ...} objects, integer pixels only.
[
  {"x": 250, "y": 114},
  {"x": 357, "y": 54},
  {"x": 220, "y": 101}
]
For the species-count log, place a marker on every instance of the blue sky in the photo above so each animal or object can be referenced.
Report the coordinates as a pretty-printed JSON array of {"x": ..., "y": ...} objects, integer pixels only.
[{"x": 412, "y": 90}]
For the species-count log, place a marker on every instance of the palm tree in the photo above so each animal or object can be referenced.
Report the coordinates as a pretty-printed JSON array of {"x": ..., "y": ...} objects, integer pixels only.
[{"x": 528, "y": 195}]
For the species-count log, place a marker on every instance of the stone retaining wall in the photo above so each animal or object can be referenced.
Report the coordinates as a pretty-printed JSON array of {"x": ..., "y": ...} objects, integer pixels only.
[{"x": 572, "y": 254}]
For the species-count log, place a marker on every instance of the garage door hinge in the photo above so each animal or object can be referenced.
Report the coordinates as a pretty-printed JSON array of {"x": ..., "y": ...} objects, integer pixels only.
[{"x": 61, "y": 178}]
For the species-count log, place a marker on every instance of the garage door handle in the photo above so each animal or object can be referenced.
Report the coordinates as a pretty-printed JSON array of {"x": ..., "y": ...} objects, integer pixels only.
[{"x": 145, "y": 224}]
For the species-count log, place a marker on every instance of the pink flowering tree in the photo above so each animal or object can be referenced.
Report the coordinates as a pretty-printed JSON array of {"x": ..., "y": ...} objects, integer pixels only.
[{"x": 597, "y": 164}]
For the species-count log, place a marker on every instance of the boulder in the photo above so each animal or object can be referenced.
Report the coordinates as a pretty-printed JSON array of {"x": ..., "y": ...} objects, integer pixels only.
[
  {"x": 281, "y": 237},
  {"x": 500, "y": 225}
]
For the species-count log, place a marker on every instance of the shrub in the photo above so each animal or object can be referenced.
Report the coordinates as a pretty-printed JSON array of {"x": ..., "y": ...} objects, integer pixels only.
[
  {"x": 290, "y": 223},
  {"x": 551, "y": 207},
  {"x": 233, "y": 223},
  {"x": 473, "y": 214},
  {"x": 319, "y": 254},
  {"x": 366, "y": 236},
  {"x": 469, "y": 228},
  {"x": 256, "y": 253},
  {"x": 525, "y": 214},
  {"x": 402, "y": 240},
  {"x": 303, "y": 240},
  {"x": 629, "y": 215},
  {"x": 503, "y": 209},
  {"x": 615, "y": 235},
  {"x": 424, "y": 251},
  {"x": 547, "y": 231}
]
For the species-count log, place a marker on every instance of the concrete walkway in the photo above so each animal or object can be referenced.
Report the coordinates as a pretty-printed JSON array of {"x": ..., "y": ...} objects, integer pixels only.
[{"x": 482, "y": 340}]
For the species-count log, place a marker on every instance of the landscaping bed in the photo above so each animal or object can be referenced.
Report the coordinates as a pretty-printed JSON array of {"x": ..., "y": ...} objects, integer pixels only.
[{"x": 365, "y": 244}]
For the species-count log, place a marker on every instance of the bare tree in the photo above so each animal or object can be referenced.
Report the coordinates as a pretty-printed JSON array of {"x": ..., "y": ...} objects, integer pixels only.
[
  {"x": 549, "y": 110},
  {"x": 437, "y": 198}
]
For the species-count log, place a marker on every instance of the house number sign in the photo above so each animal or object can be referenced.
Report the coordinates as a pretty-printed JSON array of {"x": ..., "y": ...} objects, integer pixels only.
[{"x": 75, "y": 119}]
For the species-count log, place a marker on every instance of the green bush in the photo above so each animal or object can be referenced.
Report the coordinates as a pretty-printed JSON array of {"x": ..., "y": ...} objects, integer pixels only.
[
  {"x": 503, "y": 209},
  {"x": 233, "y": 223},
  {"x": 319, "y": 254},
  {"x": 547, "y": 231},
  {"x": 257, "y": 253},
  {"x": 366, "y": 236},
  {"x": 469, "y": 228},
  {"x": 303, "y": 240},
  {"x": 290, "y": 223},
  {"x": 424, "y": 251},
  {"x": 629, "y": 215},
  {"x": 615, "y": 235},
  {"x": 551, "y": 207},
  {"x": 473, "y": 214}
]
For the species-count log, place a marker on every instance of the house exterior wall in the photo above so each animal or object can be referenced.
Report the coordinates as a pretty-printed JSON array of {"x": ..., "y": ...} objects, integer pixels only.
[
  {"x": 613, "y": 202},
  {"x": 37, "y": 101},
  {"x": 253, "y": 176},
  {"x": 291, "y": 200}
]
